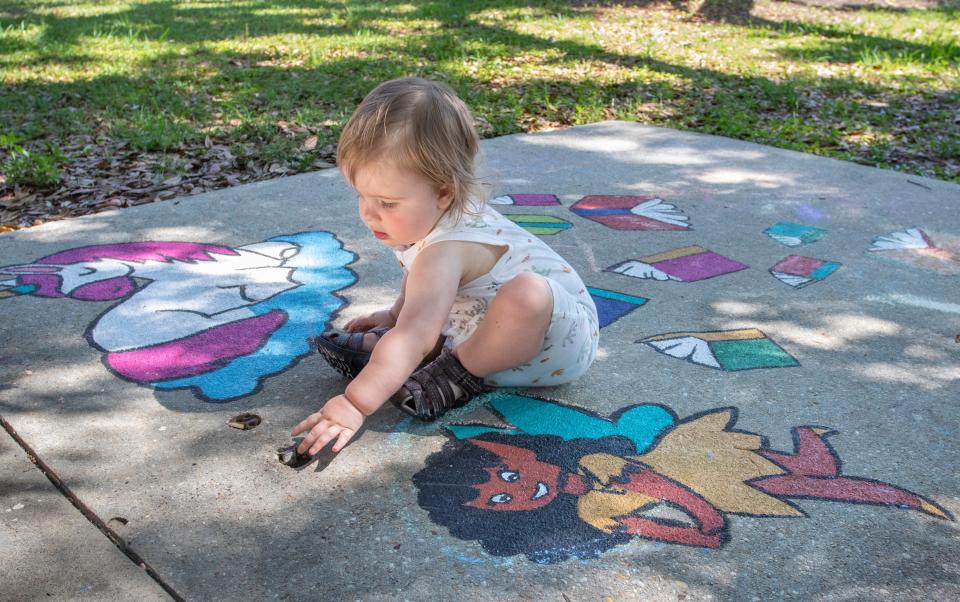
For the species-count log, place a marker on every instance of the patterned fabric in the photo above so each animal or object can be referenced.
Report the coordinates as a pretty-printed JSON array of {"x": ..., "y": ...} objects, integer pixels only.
[{"x": 574, "y": 311}]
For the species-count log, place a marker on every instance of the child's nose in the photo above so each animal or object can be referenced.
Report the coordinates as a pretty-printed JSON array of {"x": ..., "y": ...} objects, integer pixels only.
[{"x": 367, "y": 211}]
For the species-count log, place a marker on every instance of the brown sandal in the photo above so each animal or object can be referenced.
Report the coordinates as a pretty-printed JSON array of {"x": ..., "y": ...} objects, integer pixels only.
[
  {"x": 429, "y": 392},
  {"x": 344, "y": 350}
]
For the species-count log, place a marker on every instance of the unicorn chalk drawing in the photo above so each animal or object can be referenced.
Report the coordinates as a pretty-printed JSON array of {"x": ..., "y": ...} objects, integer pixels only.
[{"x": 191, "y": 315}]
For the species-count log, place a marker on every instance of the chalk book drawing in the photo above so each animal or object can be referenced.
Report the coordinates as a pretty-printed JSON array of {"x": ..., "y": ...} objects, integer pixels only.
[
  {"x": 686, "y": 264},
  {"x": 727, "y": 350},
  {"x": 612, "y": 305},
  {"x": 538, "y": 224},
  {"x": 799, "y": 271},
  {"x": 211, "y": 318},
  {"x": 528, "y": 200},
  {"x": 917, "y": 247},
  {"x": 631, "y": 212},
  {"x": 794, "y": 235},
  {"x": 555, "y": 482}
]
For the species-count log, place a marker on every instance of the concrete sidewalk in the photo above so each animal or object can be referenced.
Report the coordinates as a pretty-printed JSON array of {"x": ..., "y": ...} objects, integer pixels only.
[{"x": 825, "y": 373}]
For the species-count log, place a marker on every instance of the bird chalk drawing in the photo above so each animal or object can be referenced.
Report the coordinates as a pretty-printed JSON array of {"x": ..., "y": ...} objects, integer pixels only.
[
  {"x": 559, "y": 482},
  {"x": 686, "y": 264},
  {"x": 920, "y": 248},
  {"x": 211, "y": 318},
  {"x": 727, "y": 350},
  {"x": 631, "y": 212}
]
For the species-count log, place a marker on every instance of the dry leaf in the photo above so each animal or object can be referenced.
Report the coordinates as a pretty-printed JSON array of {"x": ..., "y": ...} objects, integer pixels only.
[{"x": 309, "y": 144}]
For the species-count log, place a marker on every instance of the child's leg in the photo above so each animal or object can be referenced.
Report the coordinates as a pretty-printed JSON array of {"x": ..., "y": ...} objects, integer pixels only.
[{"x": 513, "y": 329}]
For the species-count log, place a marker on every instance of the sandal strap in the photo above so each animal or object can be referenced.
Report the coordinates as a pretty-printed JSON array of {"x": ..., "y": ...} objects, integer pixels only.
[
  {"x": 428, "y": 393},
  {"x": 344, "y": 352}
]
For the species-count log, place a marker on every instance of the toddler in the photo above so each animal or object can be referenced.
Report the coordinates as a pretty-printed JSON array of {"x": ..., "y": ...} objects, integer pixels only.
[{"x": 483, "y": 303}]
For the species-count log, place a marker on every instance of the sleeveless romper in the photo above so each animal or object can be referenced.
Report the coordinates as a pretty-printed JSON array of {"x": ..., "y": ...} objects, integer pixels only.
[{"x": 570, "y": 345}]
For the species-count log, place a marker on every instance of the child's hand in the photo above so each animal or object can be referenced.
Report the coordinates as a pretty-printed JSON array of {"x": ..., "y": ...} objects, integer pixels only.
[
  {"x": 338, "y": 419},
  {"x": 375, "y": 320}
]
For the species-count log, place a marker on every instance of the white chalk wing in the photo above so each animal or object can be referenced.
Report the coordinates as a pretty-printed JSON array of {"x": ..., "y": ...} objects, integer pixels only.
[
  {"x": 790, "y": 241},
  {"x": 791, "y": 279},
  {"x": 501, "y": 200},
  {"x": 660, "y": 211},
  {"x": 644, "y": 271},
  {"x": 905, "y": 239},
  {"x": 696, "y": 350}
]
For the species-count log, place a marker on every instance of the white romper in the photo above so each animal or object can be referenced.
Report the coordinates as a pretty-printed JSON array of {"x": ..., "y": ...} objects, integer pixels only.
[{"x": 571, "y": 341}]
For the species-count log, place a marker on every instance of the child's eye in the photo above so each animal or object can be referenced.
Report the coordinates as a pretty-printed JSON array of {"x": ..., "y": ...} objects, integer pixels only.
[
  {"x": 386, "y": 205},
  {"x": 501, "y": 498},
  {"x": 509, "y": 475}
]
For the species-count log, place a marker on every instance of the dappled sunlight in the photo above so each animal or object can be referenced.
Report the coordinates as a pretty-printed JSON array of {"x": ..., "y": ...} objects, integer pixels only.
[
  {"x": 741, "y": 176},
  {"x": 925, "y": 376},
  {"x": 205, "y": 233},
  {"x": 915, "y": 301},
  {"x": 56, "y": 382},
  {"x": 596, "y": 143},
  {"x": 835, "y": 332},
  {"x": 740, "y": 308}
]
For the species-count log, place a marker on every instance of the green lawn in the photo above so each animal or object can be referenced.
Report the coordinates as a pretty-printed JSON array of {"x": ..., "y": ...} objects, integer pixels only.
[{"x": 87, "y": 85}]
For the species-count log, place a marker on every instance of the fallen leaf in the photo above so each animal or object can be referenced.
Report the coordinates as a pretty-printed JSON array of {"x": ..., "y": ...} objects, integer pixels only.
[{"x": 309, "y": 144}]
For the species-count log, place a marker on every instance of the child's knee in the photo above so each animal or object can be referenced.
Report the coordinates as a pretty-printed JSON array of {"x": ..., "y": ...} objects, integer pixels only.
[{"x": 528, "y": 294}]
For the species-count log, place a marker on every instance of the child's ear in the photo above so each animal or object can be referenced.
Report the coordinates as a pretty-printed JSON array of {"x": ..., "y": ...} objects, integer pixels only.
[{"x": 445, "y": 198}]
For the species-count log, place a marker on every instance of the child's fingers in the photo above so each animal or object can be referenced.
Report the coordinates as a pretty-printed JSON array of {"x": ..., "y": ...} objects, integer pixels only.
[
  {"x": 326, "y": 435},
  {"x": 313, "y": 435},
  {"x": 306, "y": 424},
  {"x": 345, "y": 435},
  {"x": 356, "y": 325}
]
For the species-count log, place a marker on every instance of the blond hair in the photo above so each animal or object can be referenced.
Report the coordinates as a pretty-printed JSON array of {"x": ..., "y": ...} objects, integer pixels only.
[{"x": 422, "y": 125}]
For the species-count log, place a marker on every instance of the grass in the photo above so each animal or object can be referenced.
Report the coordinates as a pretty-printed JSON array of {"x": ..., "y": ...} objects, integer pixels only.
[{"x": 874, "y": 85}]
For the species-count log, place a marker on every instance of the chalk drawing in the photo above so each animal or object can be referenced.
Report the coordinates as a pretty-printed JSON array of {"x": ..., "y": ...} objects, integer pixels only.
[
  {"x": 631, "y": 212},
  {"x": 538, "y": 224},
  {"x": 211, "y": 318},
  {"x": 799, "y": 271},
  {"x": 728, "y": 350},
  {"x": 686, "y": 264},
  {"x": 611, "y": 305},
  {"x": 794, "y": 235},
  {"x": 920, "y": 248},
  {"x": 529, "y": 200},
  {"x": 559, "y": 482}
]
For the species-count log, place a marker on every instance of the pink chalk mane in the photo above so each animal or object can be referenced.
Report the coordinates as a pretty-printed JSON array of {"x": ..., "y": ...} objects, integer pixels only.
[{"x": 48, "y": 285}]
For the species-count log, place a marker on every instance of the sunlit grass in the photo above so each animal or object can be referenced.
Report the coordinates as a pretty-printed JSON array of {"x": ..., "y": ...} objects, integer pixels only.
[{"x": 161, "y": 74}]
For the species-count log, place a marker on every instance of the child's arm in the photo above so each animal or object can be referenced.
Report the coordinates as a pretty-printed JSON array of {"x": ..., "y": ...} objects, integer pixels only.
[{"x": 429, "y": 292}]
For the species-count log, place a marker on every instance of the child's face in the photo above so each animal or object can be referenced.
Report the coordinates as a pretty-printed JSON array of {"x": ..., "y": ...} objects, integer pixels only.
[{"x": 399, "y": 205}]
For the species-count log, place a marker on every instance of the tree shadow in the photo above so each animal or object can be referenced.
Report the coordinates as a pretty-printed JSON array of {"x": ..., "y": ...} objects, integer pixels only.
[{"x": 183, "y": 87}]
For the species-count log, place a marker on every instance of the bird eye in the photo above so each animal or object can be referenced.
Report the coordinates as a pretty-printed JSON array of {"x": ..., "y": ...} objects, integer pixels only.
[
  {"x": 501, "y": 498},
  {"x": 509, "y": 475}
]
